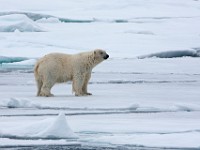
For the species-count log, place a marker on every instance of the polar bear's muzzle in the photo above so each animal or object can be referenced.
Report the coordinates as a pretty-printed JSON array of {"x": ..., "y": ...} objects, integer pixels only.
[{"x": 106, "y": 57}]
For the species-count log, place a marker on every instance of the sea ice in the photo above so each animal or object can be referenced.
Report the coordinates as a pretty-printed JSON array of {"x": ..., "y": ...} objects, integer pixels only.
[{"x": 146, "y": 103}]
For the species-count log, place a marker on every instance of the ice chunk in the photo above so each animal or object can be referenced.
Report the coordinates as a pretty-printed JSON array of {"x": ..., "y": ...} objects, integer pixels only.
[
  {"x": 173, "y": 54},
  {"x": 32, "y": 16},
  {"x": 29, "y": 62},
  {"x": 134, "y": 107},
  {"x": 20, "y": 22},
  {"x": 4, "y": 59},
  {"x": 49, "y": 128},
  {"x": 59, "y": 128}
]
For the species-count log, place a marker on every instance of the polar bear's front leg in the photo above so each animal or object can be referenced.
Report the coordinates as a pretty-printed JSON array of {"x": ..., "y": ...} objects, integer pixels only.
[
  {"x": 85, "y": 84},
  {"x": 78, "y": 81}
]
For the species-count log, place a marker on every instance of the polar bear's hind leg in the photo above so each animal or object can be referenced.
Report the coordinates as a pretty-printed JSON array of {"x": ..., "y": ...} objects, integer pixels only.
[
  {"x": 46, "y": 88},
  {"x": 39, "y": 86}
]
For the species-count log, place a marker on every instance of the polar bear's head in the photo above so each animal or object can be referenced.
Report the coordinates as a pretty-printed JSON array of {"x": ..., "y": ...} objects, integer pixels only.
[{"x": 100, "y": 55}]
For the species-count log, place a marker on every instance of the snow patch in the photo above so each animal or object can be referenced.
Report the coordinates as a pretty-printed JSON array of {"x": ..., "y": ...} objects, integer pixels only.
[
  {"x": 19, "y": 22},
  {"x": 19, "y": 103}
]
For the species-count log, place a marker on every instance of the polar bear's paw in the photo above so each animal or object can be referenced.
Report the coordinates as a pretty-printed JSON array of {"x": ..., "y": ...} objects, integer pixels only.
[
  {"x": 88, "y": 93},
  {"x": 46, "y": 94},
  {"x": 83, "y": 94}
]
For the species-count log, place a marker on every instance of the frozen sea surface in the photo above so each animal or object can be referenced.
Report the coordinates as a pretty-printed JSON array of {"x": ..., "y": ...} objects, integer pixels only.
[
  {"x": 128, "y": 110},
  {"x": 146, "y": 96}
]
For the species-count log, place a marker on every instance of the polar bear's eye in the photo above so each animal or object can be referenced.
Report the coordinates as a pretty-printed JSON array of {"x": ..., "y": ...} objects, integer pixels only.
[{"x": 101, "y": 53}]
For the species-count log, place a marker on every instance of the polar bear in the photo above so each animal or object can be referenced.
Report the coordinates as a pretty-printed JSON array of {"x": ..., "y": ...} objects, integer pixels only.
[{"x": 58, "y": 67}]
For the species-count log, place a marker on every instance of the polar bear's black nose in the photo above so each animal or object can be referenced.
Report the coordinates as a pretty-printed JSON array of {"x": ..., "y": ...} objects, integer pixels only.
[{"x": 106, "y": 57}]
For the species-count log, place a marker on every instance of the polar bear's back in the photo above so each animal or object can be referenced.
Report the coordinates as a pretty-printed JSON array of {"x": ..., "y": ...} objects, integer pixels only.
[
  {"x": 55, "y": 60},
  {"x": 56, "y": 66}
]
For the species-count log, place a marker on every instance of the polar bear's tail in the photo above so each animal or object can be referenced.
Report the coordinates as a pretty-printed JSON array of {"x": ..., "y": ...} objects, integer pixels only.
[{"x": 37, "y": 79}]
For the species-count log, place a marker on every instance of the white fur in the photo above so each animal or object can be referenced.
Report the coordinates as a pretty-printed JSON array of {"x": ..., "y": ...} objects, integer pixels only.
[{"x": 58, "y": 67}]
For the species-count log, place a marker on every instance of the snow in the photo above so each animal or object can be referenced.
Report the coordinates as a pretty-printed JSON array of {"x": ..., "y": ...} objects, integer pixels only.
[
  {"x": 19, "y": 103},
  {"x": 147, "y": 103}
]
